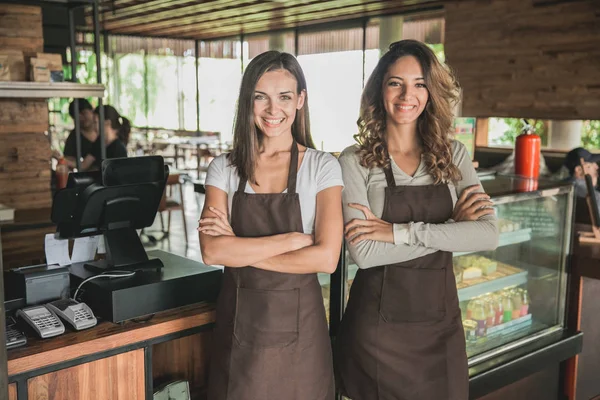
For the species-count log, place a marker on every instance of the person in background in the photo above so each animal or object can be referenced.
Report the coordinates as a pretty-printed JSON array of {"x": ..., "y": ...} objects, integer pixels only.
[
  {"x": 411, "y": 198},
  {"x": 577, "y": 172},
  {"x": 116, "y": 130},
  {"x": 273, "y": 217},
  {"x": 88, "y": 129}
]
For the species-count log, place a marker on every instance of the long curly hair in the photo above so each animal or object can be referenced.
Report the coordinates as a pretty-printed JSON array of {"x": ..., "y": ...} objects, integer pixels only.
[
  {"x": 247, "y": 138},
  {"x": 433, "y": 125}
]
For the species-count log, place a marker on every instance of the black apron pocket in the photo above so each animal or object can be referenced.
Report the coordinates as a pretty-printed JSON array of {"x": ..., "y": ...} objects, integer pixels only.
[
  {"x": 413, "y": 294},
  {"x": 266, "y": 318}
]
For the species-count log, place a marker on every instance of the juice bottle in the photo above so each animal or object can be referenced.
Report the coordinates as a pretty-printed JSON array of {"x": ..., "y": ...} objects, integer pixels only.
[
  {"x": 490, "y": 313},
  {"x": 517, "y": 302},
  {"x": 470, "y": 307},
  {"x": 479, "y": 317},
  {"x": 524, "y": 303},
  {"x": 498, "y": 308},
  {"x": 507, "y": 306},
  {"x": 62, "y": 174}
]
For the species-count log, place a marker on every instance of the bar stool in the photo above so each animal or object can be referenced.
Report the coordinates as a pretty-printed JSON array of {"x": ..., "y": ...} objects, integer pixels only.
[{"x": 169, "y": 203}]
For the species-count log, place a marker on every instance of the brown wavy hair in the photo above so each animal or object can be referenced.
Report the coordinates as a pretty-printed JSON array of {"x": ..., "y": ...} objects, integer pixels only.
[
  {"x": 433, "y": 125},
  {"x": 247, "y": 138}
]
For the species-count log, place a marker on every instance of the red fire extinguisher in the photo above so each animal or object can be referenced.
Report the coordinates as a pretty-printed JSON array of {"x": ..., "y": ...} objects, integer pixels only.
[{"x": 527, "y": 153}]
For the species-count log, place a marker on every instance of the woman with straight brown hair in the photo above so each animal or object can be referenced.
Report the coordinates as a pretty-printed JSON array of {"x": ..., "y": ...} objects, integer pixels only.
[
  {"x": 412, "y": 197},
  {"x": 273, "y": 217}
]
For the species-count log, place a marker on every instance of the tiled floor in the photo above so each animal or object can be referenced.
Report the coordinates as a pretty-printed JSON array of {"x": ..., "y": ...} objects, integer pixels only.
[{"x": 175, "y": 241}]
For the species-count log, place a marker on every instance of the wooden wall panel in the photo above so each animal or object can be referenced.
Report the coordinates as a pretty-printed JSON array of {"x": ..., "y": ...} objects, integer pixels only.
[
  {"x": 515, "y": 59},
  {"x": 23, "y": 116},
  {"x": 185, "y": 358},
  {"x": 119, "y": 377},
  {"x": 12, "y": 391},
  {"x": 21, "y": 28},
  {"x": 24, "y": 148},
  {"x": 25, "y": 170}
]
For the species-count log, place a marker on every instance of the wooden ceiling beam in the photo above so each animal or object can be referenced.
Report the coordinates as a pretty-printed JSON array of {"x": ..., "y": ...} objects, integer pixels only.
[
  {"x": 245, "y": 14},
  {"x": 110, "y": 5},
  {"x": 234, "y": 30},
  {"x": 149, "y": 10},
  {"x": 167, "y": 16},
  {"x": 267, "y": 22}
]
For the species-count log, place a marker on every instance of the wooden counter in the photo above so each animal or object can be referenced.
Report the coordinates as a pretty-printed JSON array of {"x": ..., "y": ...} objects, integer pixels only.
[{"x": 110, "y": 361}]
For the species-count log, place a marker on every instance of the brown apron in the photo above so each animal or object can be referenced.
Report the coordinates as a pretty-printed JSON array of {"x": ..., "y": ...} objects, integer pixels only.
[
  {"x": 401, "y": 336},
  {"x": 271, "y": 338}
]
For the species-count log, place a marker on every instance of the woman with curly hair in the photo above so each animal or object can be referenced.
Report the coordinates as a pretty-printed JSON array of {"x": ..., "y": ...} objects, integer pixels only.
[{"x": 411, "y": 198}]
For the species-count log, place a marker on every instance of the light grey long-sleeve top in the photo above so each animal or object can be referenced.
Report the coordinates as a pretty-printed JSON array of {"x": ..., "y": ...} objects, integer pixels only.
[{"x": 415, "y": 239}]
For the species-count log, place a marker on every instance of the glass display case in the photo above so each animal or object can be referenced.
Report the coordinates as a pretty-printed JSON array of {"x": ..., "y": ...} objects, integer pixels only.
[{"x": 516, "y": 294}]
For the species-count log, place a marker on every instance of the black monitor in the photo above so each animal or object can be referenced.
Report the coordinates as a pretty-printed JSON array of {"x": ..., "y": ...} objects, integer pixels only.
[{"x": 114, "y": 202}]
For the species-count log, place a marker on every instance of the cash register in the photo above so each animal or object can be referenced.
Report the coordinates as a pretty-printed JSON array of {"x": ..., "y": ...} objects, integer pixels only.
[{"x": 115, "y": 202}]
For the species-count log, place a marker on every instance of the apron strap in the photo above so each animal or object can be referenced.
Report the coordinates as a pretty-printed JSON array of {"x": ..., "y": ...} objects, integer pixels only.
[
  {"x": 389, "y": 175},
  {"x": 242, "y": 185},
  {"x": 293, "y": 171}
]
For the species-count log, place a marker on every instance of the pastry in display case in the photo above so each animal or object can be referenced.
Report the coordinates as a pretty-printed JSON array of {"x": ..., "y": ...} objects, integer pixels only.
[{"x": 515, "y": 295}]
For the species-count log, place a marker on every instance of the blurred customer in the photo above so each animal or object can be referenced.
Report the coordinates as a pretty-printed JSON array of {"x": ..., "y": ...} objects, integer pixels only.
[
  {"x": 116, "y": 132},
  {"x": 88, "y": 130},
  {"x": 577, "y": 172}
]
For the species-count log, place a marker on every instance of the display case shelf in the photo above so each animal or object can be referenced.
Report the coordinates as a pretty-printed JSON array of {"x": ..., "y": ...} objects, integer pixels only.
[
  {"x": 46, "y": 90},
  {"x": 506, "y": 238},
  {"x": 478, "y": 289}
]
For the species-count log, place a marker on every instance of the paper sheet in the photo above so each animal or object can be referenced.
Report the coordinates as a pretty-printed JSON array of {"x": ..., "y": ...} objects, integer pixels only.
[
  {"x": 101, "y": 245},
  {"x": 84, "y": 249},
  {"x": 57, "y": 251}
]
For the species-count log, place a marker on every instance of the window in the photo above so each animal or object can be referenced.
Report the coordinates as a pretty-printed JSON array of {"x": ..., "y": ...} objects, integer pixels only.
[
  {"x": 219, "y": 75},
  {"x": 332, "y": 62},
  {"x": 130, "y": 87},
  {"x": 163, "y": 73},
  {"x": 555, "y": 134}
]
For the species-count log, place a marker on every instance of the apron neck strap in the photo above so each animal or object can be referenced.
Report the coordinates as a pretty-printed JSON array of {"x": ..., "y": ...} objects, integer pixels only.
[
  {"x": 292, "y": 172},
  {"x": 242, "y": 185},
  {"x": 389, "y": 175}
]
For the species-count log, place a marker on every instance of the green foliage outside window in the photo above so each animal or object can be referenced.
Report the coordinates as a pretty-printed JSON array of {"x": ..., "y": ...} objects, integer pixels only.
[
  {"x": 510, "y": 128},
  {"x": 590, "y": 135},
  {"x": 504, "y": 131},
  {"x": 438, "y": 49}
]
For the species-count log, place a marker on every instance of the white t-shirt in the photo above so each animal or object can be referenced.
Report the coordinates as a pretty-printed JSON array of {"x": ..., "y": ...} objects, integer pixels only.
[{"x": 318, "y": 171}]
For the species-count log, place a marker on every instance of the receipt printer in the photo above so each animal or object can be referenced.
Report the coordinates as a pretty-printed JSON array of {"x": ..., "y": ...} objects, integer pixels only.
[{"x": 37, "y": 284}]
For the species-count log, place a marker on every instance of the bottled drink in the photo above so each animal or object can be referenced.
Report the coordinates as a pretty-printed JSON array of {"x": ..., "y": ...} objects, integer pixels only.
[
  {"x": 490, "y": 313},
  {"x": 498, "y": 308},
  {"x": 479, "y": 317},
  {"x": 524, "y": 303},
  {"x": 517, "y": 302},
  {"x": 470, "y": 307},
  {"x": 62, "y": 173},
  {"x": 470, "y": 328},
  {"x": 507, "y": 305}
]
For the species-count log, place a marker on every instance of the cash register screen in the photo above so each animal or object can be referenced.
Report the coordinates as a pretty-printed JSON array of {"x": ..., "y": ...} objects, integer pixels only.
[{"x": 127, "y": 199}]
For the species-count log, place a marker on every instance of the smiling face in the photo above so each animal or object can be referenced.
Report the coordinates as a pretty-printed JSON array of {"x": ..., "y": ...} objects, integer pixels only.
[
  {"x": 404, "y": 92},
  {"x": 276, "y": 102}
]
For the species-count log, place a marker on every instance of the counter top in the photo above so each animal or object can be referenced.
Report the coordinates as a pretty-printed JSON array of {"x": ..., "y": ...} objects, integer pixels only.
[
  {"x": 28, "y": 219},
  {"x": 39, "y": 353}
]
